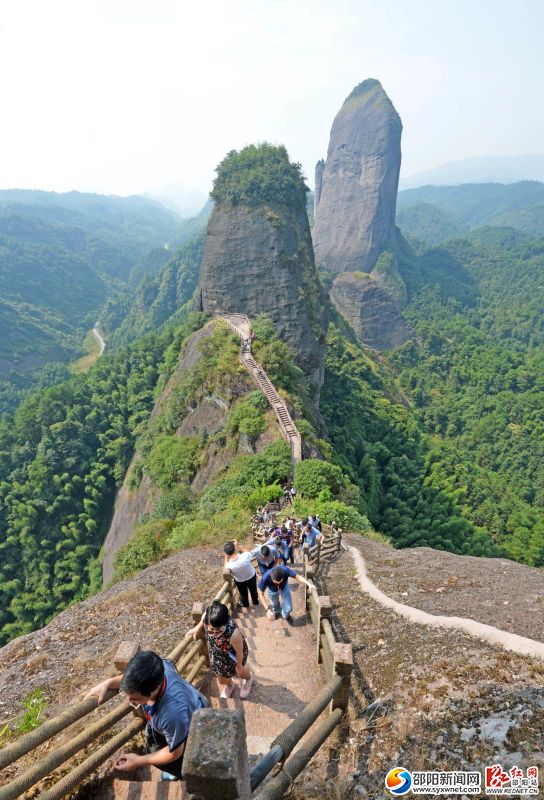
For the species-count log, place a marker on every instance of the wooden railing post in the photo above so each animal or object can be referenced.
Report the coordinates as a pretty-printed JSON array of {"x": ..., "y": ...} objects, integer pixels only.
[
  {"x": 305, "y": 557},
  {"x": 343, "y": 666},
  {"x": 125, "y": 652},
  {"x": 318, "y": 553},
  {"x": 324, "y": 611},
  {"x": 310, "y": 572},
  {"x": 215, "y": 764},
  {"x": 227, "y": 576},
  {"x": 339, "y": 538}
]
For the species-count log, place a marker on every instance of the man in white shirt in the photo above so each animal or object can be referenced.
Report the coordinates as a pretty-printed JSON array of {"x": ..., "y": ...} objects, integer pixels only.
[{"x": 243, "y": 573}]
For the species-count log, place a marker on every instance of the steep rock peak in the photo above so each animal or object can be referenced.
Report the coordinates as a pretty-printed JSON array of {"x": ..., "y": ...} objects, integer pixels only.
[
  {"x": 355, "y": 215},
  {"x": 258, "y": 256}
]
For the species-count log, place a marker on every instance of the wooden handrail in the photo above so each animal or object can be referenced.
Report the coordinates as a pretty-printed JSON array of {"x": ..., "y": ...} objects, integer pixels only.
[{"x": 193, "y": 660}]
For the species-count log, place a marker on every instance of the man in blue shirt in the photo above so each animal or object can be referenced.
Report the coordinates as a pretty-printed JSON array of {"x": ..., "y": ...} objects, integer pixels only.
[
  {"x": 311, "y": 535},
  {"x": 276, "y": 581},
  {"x": 168, "y": 702}
]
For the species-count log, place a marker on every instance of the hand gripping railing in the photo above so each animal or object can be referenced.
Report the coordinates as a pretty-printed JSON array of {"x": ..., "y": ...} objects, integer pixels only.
[{"x": 189, "y": 656}]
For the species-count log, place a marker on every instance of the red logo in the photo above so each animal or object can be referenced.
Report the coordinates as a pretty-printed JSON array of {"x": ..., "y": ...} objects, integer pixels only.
[{"x": 495, "y": 776}]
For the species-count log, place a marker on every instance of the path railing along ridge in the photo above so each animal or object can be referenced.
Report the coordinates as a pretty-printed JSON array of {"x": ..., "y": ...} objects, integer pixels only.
[
  {"x": 241, "y": 325},
  {"x": 204, "y": 752}
]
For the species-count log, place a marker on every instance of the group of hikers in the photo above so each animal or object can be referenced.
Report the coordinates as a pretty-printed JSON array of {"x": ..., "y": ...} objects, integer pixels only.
[{"x": 153, "y": 684}]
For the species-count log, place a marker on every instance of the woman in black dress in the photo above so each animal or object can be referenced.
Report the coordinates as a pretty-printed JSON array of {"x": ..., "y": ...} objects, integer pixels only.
[{"x": 227, "y": 649}]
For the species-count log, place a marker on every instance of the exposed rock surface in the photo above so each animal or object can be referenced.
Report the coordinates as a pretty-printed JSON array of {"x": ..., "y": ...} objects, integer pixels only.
[
  {"x": 371, "y": 310},
  {"x": 260, "y": 260},
  {"x": 354, "y": 231},
  {"x": 431, "y": 698},
  {"x": 356, "y": 200}
]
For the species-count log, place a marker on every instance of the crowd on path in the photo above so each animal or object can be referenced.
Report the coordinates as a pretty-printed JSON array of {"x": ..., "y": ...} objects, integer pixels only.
[{"x": 152, "y": 683}]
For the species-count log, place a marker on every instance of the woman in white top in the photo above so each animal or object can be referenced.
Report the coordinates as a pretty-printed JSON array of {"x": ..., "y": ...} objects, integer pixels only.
[{"x": 243, "y": 572}]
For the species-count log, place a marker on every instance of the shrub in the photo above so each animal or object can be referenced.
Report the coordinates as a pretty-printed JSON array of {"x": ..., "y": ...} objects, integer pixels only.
[
  {"x": 312, "y": 476},
  {"x": 247, "y": 415},
  {"x": 148, "y": 545},
  {"x": 258, "y": 175},
  {"x": 273, "y": 464},
  {"x": 172, "y": 502},
  {"x": 172, "y": 459}
]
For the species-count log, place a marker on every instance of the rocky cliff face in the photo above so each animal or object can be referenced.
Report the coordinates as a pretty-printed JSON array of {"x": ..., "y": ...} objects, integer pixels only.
[
  {"x": 259, "y": 260},
  {"x": 355, "y": 201},
  {"x": 355, "y": 210},
  {"x": 371, "y": 311}
]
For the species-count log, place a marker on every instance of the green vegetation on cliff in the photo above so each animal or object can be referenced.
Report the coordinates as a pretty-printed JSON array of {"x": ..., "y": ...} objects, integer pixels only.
[
  {"x": 63, "y": 454},
  {"x": 378, "y": 444},
  {"x": 259, "y": 175}
]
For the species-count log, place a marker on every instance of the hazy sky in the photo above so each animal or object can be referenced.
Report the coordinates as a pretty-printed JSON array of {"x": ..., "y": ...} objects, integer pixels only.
[{"x": 123, "y": 96}]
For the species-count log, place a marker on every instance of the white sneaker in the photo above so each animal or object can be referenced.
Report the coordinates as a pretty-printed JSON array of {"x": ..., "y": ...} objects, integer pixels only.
[{"x": 226, "y": 691}]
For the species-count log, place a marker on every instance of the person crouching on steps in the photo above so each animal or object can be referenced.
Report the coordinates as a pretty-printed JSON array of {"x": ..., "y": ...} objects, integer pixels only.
[
  {"x": 227, "y": 649},
  {"x": 243, "y": 572},
  {"x": 168, "y": 702},
  {"x": 276, "y": 581}
]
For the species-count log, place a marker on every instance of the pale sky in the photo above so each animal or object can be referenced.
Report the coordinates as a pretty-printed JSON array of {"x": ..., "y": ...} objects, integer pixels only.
[{"x": 125, "y": 96}]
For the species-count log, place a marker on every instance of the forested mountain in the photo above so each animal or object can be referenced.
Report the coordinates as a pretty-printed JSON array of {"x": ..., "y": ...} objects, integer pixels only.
[
  {"x": 61, "y": 256},
  {"x": 438, "y": 443},
  {"x": 157, "y": 297},
  {"x": 476, "y": 379},
  {"x": 434, "y": 214}
]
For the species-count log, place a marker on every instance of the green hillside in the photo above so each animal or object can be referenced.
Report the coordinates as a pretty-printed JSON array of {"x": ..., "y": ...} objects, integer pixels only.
[
  {"x": 61, "y": 257},
  {"x": 433, "y": 214},
  {"x": 477, "y": 383}
]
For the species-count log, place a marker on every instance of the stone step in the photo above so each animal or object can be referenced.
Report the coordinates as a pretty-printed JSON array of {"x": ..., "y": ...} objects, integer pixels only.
[{"x": 147, "y": 790}]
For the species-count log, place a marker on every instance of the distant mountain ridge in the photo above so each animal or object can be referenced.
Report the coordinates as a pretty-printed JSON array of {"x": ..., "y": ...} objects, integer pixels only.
[
  {"x": 480, "y": 169},
  {"x": 436, "y": 213},
  {"x": 61, "y": 256}
]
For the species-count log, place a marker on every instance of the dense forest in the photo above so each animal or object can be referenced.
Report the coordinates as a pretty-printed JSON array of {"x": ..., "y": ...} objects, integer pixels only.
[{"x": 477, "y": 383}]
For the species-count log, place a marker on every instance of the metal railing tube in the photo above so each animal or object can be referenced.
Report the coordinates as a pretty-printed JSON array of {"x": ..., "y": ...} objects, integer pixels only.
[
  {"x": 88, "y": 766},
  {"x": 278, "y": 785},
  {"x": 294, "y": 732},
  {"x": 12, "y": 752},
  {"x": 63, "y": 753},
  {"x": 265, "y": 765}
]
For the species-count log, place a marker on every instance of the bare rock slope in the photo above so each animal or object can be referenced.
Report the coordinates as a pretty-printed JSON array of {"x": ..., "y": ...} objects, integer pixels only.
[
  {"x": 260, "y": 260},
  {"x": 356, "y": 191},
  {"x": 432, "y": 698}
]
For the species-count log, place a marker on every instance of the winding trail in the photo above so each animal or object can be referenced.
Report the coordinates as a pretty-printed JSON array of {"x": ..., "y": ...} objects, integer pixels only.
[
  {"x": 510, "y": 641},
  {"x": 98, "y": 337}
]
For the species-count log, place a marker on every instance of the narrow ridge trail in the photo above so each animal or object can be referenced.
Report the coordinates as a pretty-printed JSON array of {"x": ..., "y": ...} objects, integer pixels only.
[
  {"x": 509, "y": 641},
  {"x": 241, "y": 325}
]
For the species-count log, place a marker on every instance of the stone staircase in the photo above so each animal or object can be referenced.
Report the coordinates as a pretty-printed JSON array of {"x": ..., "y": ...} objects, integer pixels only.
[
  {"x": 151, "y": 789},
  {"x": 242, "y": 327},
  {"x": 285, "y": 680}
]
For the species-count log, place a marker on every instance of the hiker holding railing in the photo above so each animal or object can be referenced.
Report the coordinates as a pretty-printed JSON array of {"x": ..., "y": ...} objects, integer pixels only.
[
  {"x": 168, "y": 702},
  {"x": 227, "y": 648}
]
